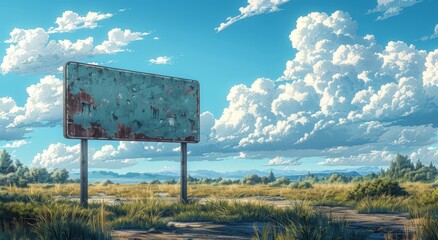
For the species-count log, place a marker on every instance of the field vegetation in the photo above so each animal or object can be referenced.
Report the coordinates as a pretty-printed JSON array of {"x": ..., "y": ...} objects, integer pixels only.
[{"x": 48, "y": 210}]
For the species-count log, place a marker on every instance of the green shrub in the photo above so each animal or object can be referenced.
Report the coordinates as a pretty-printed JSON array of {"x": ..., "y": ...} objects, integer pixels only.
[
  {"x": 70, "y": 221},
  {"x": 155, "y": 181},
  {"x": 251, "y": 179},
  {"x": 225, "y": 182},
  {"x": 305, "y": 185},
  {"x": 279, "y": 182},
  {"x": 375, "y": 188},
  {"x": 170, "y": 181},
  {"x": 13, "y": 197},
  {"x": 382, "y": 204},
  {"x": 435, "y": 184},
  {"x": 301, "y": 185},
  {"x": 426, "y": 228},
  {"x": 106, "y": 182}
]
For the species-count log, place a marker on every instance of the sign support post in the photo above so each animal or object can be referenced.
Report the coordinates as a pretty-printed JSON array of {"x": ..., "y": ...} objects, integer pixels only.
[
  {"x": 183, "y": 177},
  {"x": 84, "y": 173}
]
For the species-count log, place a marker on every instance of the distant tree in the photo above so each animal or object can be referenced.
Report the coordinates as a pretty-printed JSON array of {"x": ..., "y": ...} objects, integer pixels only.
[
  {"x": 264, "y": 180},
  {"x": 38, "y": 175},
  {"x": 59, "y": 176},
  {"x": 6, "y": 163},
  {"x": 311, "y": 178},
  {"x": 271, "y": 177},
  {"x": 155, "y": 181},
  {"x": 18, "y": 164},
  {"x": 170, "y": 182},
  {"x": 338, "y": 178},
  {"x": 205, "y": 180},
  {"x": 402, "y": 169},
  {"x": 191, "y": 179},
  {"x": 418, "y": 165},
  {"x": 251, "y": 179},
  {"x": 399, "y": 167},
  {"x": 225, "y": 182}
]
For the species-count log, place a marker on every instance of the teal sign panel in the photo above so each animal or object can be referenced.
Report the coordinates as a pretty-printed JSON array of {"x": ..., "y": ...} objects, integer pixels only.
[{"x": 115, "y": 104}]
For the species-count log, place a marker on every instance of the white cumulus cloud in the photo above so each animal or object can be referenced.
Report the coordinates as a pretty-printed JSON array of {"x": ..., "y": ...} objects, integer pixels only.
[
  {"x": 162, "y": 60},
  {"x": 60, "y": 155},
  {"x": 340, "y": 91},
  {"x": 32, "y": 50},
  {"x": 8, "y": 112},
  {"x": 280, "y": 161},
  {"x": 391, "y": 8},
  {"x": 434, "y": 34},
  {"x": 254, "y": 7},
  {"x": 71, "y": 21},
  {"x": 43, "y": 105},
  {"x": 117, "y": 40},
  {"x": 16, "y": 144},
  {"x": 343, "y": 97}
]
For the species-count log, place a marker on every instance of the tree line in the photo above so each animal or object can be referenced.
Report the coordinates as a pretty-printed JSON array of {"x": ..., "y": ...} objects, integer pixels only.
[
  {"x": 400, "y": 169},
  {"x": 17, "y": 174}
]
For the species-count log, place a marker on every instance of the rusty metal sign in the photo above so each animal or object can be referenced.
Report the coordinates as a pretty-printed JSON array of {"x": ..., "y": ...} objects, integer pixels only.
[{"x": 115, "y": 104}]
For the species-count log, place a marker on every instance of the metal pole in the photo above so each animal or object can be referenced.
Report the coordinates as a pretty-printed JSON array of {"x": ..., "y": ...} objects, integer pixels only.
[
  {"x": 84, "y": 173},
  {"x": 183, "y": 177}
]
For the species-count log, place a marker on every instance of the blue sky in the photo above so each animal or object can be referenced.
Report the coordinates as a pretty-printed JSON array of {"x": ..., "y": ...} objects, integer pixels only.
[{"x": 284, "y": 84}]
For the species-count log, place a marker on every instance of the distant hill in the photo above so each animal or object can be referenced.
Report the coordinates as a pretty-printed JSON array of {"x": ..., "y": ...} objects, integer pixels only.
[{"x": 134, "y": 177}]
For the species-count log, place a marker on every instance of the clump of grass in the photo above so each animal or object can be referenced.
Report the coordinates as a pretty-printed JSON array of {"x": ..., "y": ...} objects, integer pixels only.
[
  {"x": 61, "y": 221},
  {"x": 15, "y": 230},
  {"x": 425, "y": 228},
  {"x": 383, "y": 204},
  {"x": 435, "y": 184},
  {"x": 300, "y": 222},
  {"x": 107, "y": 182},
  {"x": 226, "y": 212},
  {"x": 138, "y": 215},
  {"x": 301, "y": 185}
]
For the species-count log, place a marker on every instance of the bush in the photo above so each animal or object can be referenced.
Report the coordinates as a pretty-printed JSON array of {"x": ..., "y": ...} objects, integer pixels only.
[
  {"x": 375, "y": 188},
  {"x": 280, "y": 181},
  {"x": 251, "y": 179},
  {"x": 301, "y": 185},
  {"x": 225, "y": 182},
  {"x": 170, "y": 182},
  {"x": 294, "y": 185},
  {"x": 435, "y": 184},
  {"x": 106, "y": 182},
  {"x": 156, "y": 181},
  {"x": 305, "y": 185}
]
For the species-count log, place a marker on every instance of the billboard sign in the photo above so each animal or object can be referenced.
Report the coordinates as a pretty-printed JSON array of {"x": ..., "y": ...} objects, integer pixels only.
[{"x": 114, "y": 104}]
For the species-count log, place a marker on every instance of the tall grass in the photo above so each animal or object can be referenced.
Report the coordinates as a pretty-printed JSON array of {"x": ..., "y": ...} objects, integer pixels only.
[
  {"x": 34, "y": 211},
  {"x": 425, "y": 228},
  {"x": 301, "y": 222},
  {"x": 138, "y": 215},
  {"x": 382, "y": 204}
]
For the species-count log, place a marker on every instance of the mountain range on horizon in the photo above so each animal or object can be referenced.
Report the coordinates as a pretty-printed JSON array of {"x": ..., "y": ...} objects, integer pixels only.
[{"x": 135, "y": 177}]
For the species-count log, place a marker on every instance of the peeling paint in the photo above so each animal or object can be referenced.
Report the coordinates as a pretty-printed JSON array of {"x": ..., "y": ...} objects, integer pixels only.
[{"x": 114, "y": 104}]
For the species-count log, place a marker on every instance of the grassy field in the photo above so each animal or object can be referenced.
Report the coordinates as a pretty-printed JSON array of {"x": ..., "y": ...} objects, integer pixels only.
[{"x": 43, "y": 211}]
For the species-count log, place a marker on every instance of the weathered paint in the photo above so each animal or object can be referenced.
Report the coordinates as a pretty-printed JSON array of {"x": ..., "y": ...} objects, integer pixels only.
[{"x": 114, "y": 104}]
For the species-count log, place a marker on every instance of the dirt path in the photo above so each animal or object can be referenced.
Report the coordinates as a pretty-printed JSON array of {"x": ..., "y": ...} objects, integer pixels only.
[
  {"x": 193, "y": 230},
  {"x": 374, "y": 226}
]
